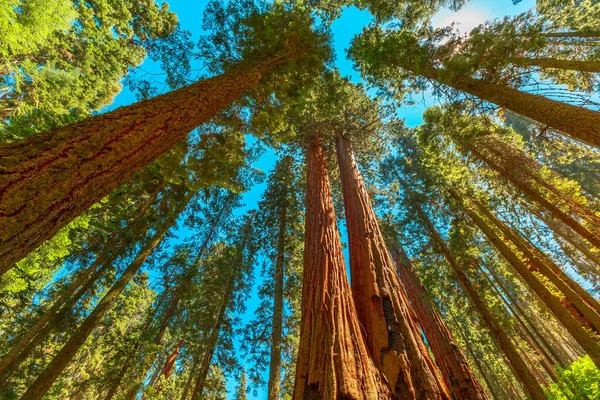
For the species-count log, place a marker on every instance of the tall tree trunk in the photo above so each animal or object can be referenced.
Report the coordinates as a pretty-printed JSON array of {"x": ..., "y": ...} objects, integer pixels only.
[
  {"x": 577, "y": 122},
  {"x": 575, "y": 65},
  {"x": 392, "y": 335},
  {"x": 274, "y": 385},
  {"x": 555, "y": 349},
  {"x": 167, "y": 368},
  {"x": 63, "y": 297},
  {"x": 573, "y": 326},
  {"x": 448, "y": 356},
  {"x": 50, "y": 320},
  {"x": 40, "y": 194},
  {"x": 512, "y": 356},
  {"x": 45, "y": 380},
  {"x": 473, "y": 356},
  {"x": 529, "y": 177},
  {"x": 573, "y": 292},
  {"x": 113, "y": 389},
  {"x": 211, "y": 343},
  {"x": 333, "y": 361},
  {"x": 567, "y": 233}
]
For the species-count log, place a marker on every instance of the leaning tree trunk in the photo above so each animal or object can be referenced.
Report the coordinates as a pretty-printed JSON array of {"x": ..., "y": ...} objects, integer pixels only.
[
  {"x": 274, "y": 385},
  {"x": 554, "y": 63},
  {"x": 392, "y": 334},
  {"x": 584, "y": 303},
  {"x": 567, "y": 233},
  {"x": 448, "y": 356},
  {"x": 577, "y": 122},
  {"x": 512, "y": 356},
  {"x": 60, "y": 361},
  {"x": 333, "y": 361},
  {"x": 529, "y": 177},
  {"x": 49, "y": 179},
  {"x": 573, "y": 326}
]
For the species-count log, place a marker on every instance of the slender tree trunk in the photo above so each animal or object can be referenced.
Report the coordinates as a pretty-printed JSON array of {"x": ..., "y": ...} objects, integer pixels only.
[
  {"x": 527, "y": 175},
  {"x": 114, "y": 388},
  {"x": 46, "y": 324},
  {"x": 577, "y": 122},
  {"x": 211, "y": 344},
  {"x": 448, "y": 356},
  {"x": 40, "y": 194},
  {"x": 333, "y": 361},
  {"x": 188, "y": 383},
  {"x": 274, "y": 386},
  {"x": 573, "y": 326},
  {"x": 573, "y": 292},
  {"x": 512, "y": 356},
  {"x": 392, "y": 335},
  {"x": 473, "y": 356},
  {"x": 167, "y": 368},
  {"x": 64, "y": 296},
  {"x": 575, "y": 65},
  {"x": 45, "y": 380},
  {"x": 567, "y": 233}
]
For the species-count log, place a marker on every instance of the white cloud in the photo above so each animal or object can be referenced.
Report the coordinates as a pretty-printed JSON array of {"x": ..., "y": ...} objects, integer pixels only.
[{"x": 464, "y": 19}]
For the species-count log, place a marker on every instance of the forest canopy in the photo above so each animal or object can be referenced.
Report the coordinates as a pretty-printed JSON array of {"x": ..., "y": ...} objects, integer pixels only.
[{"x": 225, "y": 209}]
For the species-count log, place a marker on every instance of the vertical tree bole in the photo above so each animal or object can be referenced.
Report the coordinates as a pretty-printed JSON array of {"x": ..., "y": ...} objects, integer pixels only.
[
  {"x": 453, "y": 364},
  {"x": 392, "y": 334},
  {"x": 333, "y": 361}
]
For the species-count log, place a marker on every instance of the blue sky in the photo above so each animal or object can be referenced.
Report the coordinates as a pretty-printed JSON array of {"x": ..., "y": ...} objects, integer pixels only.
[{"x": 344, "y": 29}]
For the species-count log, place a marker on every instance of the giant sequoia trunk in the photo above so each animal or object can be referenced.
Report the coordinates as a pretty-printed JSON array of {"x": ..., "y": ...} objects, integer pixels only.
[
  {"x": 60, "y": 361},
  {"x": 577, "y": 122},
  {"x": 333, "y": 361},
  {"x": 512, "y": 356},
  {"x": 448, "y": 356},
  {"x": 51, "y": 178},
  {"x": 540, "y": 185},
  {"x": 274, "y": 386},
  {"x": 392, "y": 334},
  {"x": 564, "y": 316}
]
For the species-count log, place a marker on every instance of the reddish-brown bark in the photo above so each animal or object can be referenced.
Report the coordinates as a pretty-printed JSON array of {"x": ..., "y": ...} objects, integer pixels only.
[
  {"x": 579, "y": 123},
  {"x": 448, "y": 356},
  {"x": 333, "y": 361},
  {"x": 392, "y": 334},
  {"x": 51, "y": 178}
]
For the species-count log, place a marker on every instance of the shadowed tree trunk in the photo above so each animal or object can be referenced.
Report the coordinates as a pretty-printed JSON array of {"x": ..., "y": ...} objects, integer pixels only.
[
  {"x": 577, "y": 122},
  {"x": 333, "y": 361},
  {"x": 573, "y": 326},
  {"x": 274, "y": 385},
  {"x": 392, "y": 334},
  {"x": 211, "y": 343},
  {"x": 448, "y": 356},
  {"x": 60, "y": 361},
  {"x": 39, "y": 191}
]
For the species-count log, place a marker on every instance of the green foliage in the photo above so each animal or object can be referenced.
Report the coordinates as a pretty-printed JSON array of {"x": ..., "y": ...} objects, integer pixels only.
[{"x": 581, "y": 380}]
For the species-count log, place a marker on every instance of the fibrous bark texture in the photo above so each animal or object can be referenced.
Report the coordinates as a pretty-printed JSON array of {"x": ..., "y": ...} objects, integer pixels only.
[
  {"x": 51, "y": 178},
  {"x": 333, "y": 361},
  {"x": 448, "y": 356},
  {"x": 577, "y": 122},
  {"x": 392, "y": 333}
]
